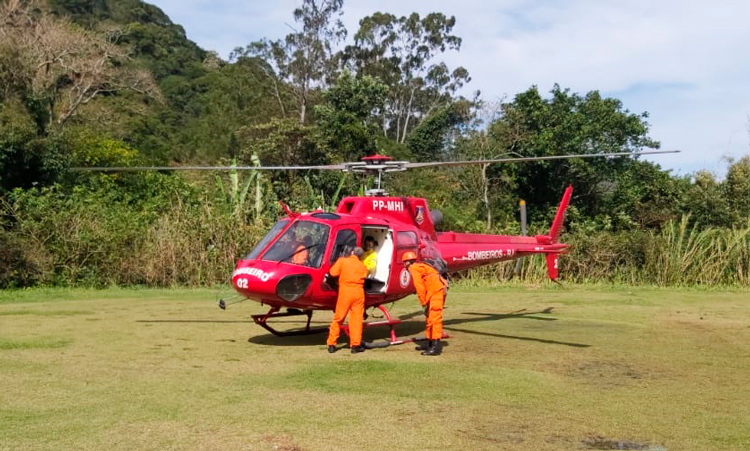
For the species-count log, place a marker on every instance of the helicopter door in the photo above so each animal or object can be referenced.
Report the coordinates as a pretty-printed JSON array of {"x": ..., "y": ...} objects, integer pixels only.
[
  {"x": 346, "y": 241},
  {"x": 378, "y": 281}
]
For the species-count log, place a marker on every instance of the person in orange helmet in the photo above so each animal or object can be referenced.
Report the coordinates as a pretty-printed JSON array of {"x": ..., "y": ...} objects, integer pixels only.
[
  {"x": 430, "y": 287},
  {"x": 352, "y": 274}
]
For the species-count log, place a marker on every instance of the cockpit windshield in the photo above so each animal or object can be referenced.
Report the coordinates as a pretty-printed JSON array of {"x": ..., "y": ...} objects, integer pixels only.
[
  {"x": 302, "y": 244},
  {"x": 275, "y": 230}
]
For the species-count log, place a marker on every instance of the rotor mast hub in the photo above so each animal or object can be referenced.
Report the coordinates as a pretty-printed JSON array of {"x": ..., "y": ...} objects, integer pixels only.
[{"x": 376, "y": 165}]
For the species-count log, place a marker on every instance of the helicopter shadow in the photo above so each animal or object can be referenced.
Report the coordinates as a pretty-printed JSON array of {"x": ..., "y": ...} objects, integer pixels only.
[
  {"x": 216, "y": 321},
  {"x": 315, "y": 339},
  {"x": 374, "y": 336},
  {"x": 413, "y": 324},
  {"x": 450, "y": 324},
  {"x": 518, "y": 314}
]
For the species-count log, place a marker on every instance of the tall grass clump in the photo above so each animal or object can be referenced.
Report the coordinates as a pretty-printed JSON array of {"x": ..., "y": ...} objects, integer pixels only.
[
  {"x": 151, "y": 230},
  {"x": 706, "y": 257},
  {"x": 160, "y": 230},
  {"x": 193, "y": 245}
]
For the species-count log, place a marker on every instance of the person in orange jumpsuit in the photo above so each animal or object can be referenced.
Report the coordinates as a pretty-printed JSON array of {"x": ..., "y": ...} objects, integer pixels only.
[
  {"x": 301, "y": 252},
  {"x": 351, "y": 273},
  {"x": 430, "y": 287}
]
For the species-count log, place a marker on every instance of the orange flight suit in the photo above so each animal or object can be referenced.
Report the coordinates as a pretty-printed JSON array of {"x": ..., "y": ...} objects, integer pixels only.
[
  {"x": 300, "y": 255},
  {"x": 430, "y": 286},
  {"x": 351, "y": 273}
]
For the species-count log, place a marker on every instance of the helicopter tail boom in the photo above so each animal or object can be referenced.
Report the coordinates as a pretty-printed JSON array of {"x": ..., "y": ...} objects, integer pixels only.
[{"x": 468, "y": 250}]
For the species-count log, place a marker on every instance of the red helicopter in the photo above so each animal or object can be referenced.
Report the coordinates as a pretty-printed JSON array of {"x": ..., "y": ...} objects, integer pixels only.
[
  {"x": 270, "y": 273},
  {"x": 274, "y": 274}
]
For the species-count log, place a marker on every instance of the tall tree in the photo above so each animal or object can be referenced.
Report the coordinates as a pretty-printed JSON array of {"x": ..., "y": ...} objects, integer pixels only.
[
  {"x": 564, "y": 124},
  {"x": 706, "y": 201},
  {"x": 641, "y": 194},
  {"x": 402, "y": 52},
  {"x": 226, "y": 98},
  {"x": 305, "y": 58},
  {"x": 493, "y": 184},
  {"x": 66, "y": 66},
  {"x": 347, "y": 118},
  {"x": 738, "y": 190}
]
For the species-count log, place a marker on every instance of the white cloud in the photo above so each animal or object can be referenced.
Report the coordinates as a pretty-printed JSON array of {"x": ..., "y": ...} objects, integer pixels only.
[{"x": 686, "y": 62}]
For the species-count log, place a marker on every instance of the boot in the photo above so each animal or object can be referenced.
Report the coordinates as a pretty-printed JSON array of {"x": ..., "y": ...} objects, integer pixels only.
[
  {"x": 331, "y": 349},
  {"x": 434, "y": 349},
  {"x": 425, "y": 345},
  {"x": 358, "y": 348}
]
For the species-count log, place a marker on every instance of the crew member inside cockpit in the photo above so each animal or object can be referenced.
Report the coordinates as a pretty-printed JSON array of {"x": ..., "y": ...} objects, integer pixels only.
[{"x": 302, "y": 251}]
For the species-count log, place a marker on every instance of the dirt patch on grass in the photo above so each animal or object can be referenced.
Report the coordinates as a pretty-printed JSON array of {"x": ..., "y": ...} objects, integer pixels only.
[
  {"x": 562, "y": 440},
  {"x": 47, "y": 312},
  {"x": 495, "y": 437},
  {"x": 281, "y": 443},
  {"x": 497, "y": 433},
  {"x": 707, "y": 320},
  {"x": 610, "y": 373},
  {"x": 602, "y": 443}
]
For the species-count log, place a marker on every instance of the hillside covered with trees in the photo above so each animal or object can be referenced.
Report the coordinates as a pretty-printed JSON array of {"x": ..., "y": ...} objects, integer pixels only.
[{"x": 117, "y": 83}]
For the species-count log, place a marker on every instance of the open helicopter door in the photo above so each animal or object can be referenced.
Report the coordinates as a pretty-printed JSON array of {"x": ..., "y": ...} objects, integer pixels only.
[{"x": 378, "y": 282}]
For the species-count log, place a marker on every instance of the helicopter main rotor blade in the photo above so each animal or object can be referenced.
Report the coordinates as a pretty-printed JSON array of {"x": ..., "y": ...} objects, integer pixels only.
[
  {"x": 551, "y": 157},
  {"x": 388, "y": 166},
  {"x": 330, "y": 167}
]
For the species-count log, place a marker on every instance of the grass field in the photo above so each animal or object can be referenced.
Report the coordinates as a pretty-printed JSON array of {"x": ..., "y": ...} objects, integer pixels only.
[{"x": 525, "y": 369}]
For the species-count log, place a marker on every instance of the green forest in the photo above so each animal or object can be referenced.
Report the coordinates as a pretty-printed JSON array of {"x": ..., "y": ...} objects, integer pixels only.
[{"x": 88, "y": 83}]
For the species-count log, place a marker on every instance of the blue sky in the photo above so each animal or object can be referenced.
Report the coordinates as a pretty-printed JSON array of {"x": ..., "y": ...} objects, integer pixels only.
[{"x": 686, "y": 62}]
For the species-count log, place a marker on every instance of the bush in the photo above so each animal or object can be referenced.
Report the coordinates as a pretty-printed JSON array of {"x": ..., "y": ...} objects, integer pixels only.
[
  {"x": 680, "y": 254},
  {"x": 16, "y": 269},
  {"x": 149, "y": 229}
]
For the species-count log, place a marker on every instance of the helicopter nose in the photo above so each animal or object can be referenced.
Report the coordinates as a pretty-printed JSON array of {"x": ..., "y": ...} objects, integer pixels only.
[
  {"x": 263, "y": 283},
  {"x": 249, "y": 280}
]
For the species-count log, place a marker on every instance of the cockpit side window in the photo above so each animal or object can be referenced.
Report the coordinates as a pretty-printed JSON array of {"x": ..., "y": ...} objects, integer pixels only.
[
  {"x": 275, "y": 230},
  {"x": 302, "y": 244},
  {"x": 407, "y": 240},
  {"x": 346, "y": 240}
]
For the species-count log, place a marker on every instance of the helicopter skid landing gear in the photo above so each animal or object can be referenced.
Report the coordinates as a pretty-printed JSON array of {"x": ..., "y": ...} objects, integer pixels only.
[
  {"x": 391, "y": 323},
  {"x": 261, "y": 320}
]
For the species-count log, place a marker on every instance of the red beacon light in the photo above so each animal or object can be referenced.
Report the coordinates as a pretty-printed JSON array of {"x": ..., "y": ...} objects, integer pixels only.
[{"x": 376, "y": 159}]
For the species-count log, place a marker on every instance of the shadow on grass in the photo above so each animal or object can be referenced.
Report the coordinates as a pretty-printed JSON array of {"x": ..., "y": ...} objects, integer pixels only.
[
  {"x": 518, "y": 314},
  {"x": 514, "y": 337},
  {"x": 523, "y": 314},
  {"x": 410, "y": 328},
  {"x": 316, "y": 339},
  {"x": 218, "y": 321}
]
